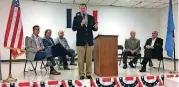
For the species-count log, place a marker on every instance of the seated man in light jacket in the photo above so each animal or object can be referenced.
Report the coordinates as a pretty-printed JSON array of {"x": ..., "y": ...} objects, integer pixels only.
[
  {"x": 132, "y": 48},
  {"x": 35, "y": 50},
  {"x": 61, "y": 39}
]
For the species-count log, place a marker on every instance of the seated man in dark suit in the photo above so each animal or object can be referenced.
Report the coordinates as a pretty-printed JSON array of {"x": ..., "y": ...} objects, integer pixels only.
[
  {"x": 132, "y": 48},
  {"x": 35, "y": 50},
  {"x": 48, "y": 41},
  {"x": 153, "y": 49}
]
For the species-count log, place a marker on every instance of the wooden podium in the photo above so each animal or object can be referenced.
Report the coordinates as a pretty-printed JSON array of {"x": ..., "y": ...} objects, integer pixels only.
[{"x": 105, "y": 55}]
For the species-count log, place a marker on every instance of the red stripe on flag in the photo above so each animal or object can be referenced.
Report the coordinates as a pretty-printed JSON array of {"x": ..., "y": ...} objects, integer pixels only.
[
  {"x": 63, "y": 83},
  {"x": 160, "y": 82},
  {"x": 150, "y": 77},
  {"x": 24, "y": 84},
  {"x": 169, "y": 76},
  {"x": 117, "y": 83},
  {"x": 20, "y": 38},
  {"x": 139, "y": 82},
  {"x": 15, "y": 28},
  {"x": 35, "y": 84},
  {"x": 79, "y": 84},
  {"x": 95, "y": 15},
  {"x": 52, "y": 82},
  {"x": 8, "y": 26},
  {"x": 129, "y": 78},
  {"x": 92, "y": 83},
  {"x": 106, "y": 79}
]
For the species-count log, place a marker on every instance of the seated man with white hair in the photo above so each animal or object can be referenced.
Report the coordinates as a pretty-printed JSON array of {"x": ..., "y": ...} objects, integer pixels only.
[{"x": 61, "y": 39}]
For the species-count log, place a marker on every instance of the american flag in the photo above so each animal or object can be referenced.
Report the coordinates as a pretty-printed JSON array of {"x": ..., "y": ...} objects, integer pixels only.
[{"x": 14, "y": 31}]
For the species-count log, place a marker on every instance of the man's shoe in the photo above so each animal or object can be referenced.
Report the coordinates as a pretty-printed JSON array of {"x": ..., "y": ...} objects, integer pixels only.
[
  {"x": 72, "y": 63},
  {"x": 54, "y": 72},
  {"x": 131, "y": 65},
  {"x": 142, "y": 70},
  {"x": 89, "y": 77},
  {"x": 125, "y": 66},
  {"x": 82, "y": 77},
  {"x": 66, "y": 68}
]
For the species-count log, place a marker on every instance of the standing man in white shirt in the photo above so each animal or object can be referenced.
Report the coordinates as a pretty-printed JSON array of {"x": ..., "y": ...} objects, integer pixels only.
[{"x": 153, "y": 49}]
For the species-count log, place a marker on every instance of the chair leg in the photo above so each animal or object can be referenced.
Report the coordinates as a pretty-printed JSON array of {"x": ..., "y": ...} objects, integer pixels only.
[
  {"x": 43, "y": 65},
  {"x": 150, "y": 69},
  {"x": 159, "y": 65},
  {"x": 33, "y": 68},
  {"x": 163, "y": 65},
  {"x": 25, "y": 66},
  {"x": 36, "y": 65}
]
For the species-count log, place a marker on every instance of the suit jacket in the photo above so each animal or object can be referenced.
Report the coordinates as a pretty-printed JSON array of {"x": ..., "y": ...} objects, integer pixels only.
[
  {"x": 84, "y": 33},
  {"x": 31, "y": 47},
  {"x": 132, "y": 46},
  {"x": 157, "y": 52},
  {"x": 48, "y": 41}
]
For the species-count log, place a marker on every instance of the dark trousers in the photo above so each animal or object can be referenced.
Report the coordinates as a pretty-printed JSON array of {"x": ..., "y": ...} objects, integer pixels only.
[
  {"x": 73, "y": 53},
  {"x": 64, "y": 60},
  {"x": 59, "y": 50},
  {"x": 128, "y": 53},
  {"x": 55, "y": 51},
  {"x": 147, "y": 57},
  {"x": 42, "y": 55}
]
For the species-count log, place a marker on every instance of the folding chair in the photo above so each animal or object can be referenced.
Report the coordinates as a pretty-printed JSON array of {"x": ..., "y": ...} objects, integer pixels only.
[
  {"x": 160, "y": 61},
  {"x": 120, "y": 47},
  {"x": 34, "y": 68}
]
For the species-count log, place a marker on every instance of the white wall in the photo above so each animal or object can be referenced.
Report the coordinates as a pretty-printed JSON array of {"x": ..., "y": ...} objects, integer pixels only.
[
  {"x": 120, "y": 21},
  {"x": 163, "y": 26}
]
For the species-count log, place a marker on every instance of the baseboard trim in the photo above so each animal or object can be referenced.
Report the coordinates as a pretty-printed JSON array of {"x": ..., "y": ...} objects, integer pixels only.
[{"x": 23, "y": 60}]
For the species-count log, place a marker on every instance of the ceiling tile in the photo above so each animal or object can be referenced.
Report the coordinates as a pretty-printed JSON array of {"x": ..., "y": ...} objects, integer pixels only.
[
  {"x": 53, "y": 0},
  {"x": 67, "y": 1},
  {"x": 41, "y": 0},
  {"x": 162, "y": 6},
  {"x": 94, "y": 2},
  {"x": 152, "y": 0},
  {"x": 152, "y": 5},
  {"x": 167, "y": 1},
  {"x": 81, "y": 1},
  {"x": 125, "y": 3},
  {"x": 143, "y": 4},
  {"x": 107, "y": 2},
  {"x": 138, "y": 0}
]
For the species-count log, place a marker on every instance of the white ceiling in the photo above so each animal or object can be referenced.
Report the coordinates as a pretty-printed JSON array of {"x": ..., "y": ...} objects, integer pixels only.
[{"x": 120, "y": 3}]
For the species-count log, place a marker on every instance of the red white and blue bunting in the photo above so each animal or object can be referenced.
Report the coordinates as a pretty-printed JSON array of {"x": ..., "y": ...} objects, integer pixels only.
[
  {"x": 142, "y": 81},
  {"x": 151, "y": 81},
  {"x": 129, "y": 81}
]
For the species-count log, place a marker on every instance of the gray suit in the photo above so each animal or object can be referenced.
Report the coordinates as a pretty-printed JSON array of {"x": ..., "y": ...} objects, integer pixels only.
[
  {"x": 31, "y": 47},
  {"x": 132, "y": 44}
]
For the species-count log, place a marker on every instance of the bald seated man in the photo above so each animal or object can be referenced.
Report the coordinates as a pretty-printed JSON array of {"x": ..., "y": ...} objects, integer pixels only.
[
  {"x": 61, "y": 39},
  {"x": 153, "y": 49},
  {"x": 132, "y": 48}
]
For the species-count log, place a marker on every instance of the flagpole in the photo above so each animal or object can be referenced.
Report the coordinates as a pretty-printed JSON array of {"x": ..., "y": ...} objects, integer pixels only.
[
  {"x": 10, "y": 79},
  {"x": 174, "y": 71}
]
